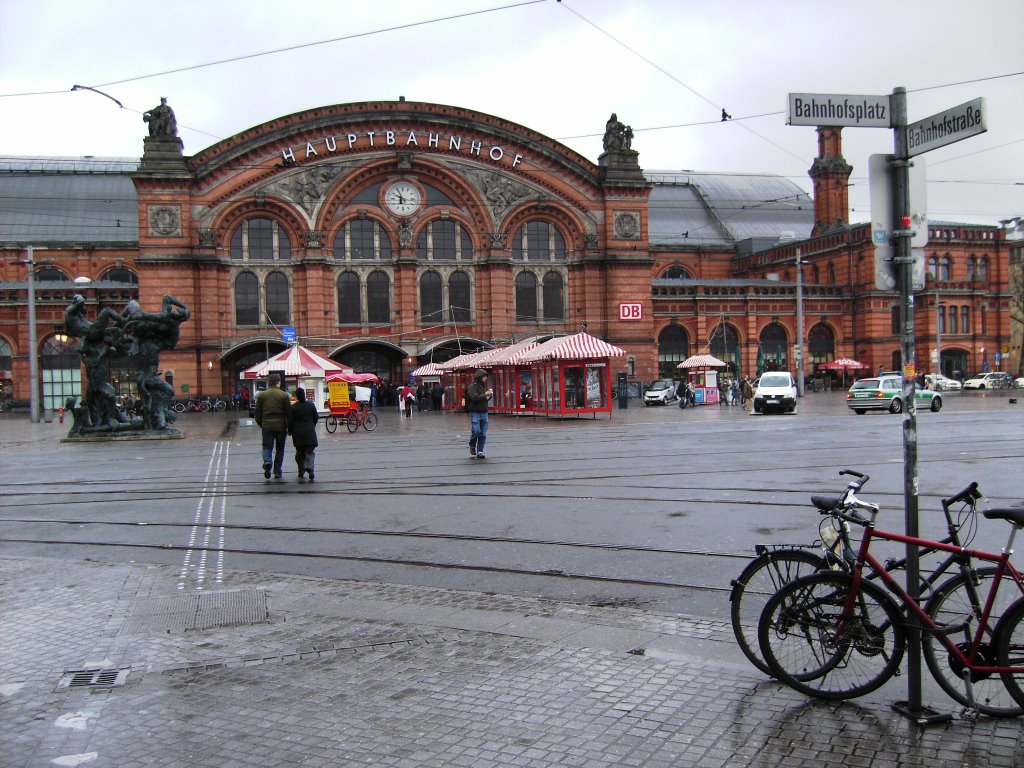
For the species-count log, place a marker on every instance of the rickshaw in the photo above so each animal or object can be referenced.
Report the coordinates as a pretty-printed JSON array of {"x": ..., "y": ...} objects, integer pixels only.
[{"x": 348, "y": 398}]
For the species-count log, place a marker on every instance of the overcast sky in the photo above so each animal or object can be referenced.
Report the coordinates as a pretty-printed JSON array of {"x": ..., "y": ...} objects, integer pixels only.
[{"x": 666, "y": 67}]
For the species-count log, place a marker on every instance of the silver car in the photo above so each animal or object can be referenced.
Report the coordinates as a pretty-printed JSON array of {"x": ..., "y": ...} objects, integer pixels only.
[{"x": 661, "y": 392}]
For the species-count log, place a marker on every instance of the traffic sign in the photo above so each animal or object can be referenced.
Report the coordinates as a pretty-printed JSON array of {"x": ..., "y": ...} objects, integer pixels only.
[
  {"x": 839, "y": 109},
  {"x": 288, "y": 335},
  {"x": 947, "y": 127}
]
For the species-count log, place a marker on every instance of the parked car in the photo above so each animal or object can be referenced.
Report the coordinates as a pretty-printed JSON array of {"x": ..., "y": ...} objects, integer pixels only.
[
  {"x": 1019, "y": 383},
  {"x": 992, "y": 380},
  {"x": 661, "y": 392},
  {"x": 776, "y": 391},
  {"x": 885, "y": 393},
  {"x": 940, "y": 383}
]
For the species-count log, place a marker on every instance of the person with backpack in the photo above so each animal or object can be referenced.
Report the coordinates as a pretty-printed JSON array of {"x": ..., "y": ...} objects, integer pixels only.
[{"x": 477, "y": 397}]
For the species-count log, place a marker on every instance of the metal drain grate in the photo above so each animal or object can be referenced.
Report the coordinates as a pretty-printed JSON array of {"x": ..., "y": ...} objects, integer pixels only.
[
  {"x": 94, "y": 678},
  {"x": 197, "y": 610}
]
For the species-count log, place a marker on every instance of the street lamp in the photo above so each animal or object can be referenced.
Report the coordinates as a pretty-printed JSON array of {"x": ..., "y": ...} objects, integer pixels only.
[
  {"x": 940, "y": 313},
  {"x": 799, "y": 326},
  {"x": 33, "y": 359}
]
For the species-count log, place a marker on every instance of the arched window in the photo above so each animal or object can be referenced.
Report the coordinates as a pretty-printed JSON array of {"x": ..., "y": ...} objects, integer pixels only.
[
  {"x": 349, "y": 304},
  {"x": 49, "y": 275},
  {"x": 725, "y": 345},
  {"x": 260, "y": 239},
  {"x": 6, "y": 357},
  {"x": 61, "y": 371},
  {"x": 933, "y": 267},
  {"x": 431, "y": 299},
  {"x": 378, "y": 298},
  {"x": 965, "y": 319},
  {"x": 983, "y": 269},
  {"x": 972, "y": 264},
  {"x": 247, "y": 299},
  {"x": 538, "y": 241},
  {"x": 278, "y": 299},
  {"x": 821, "y": 344},
  {"x": 945, "y": 268},
  {"x": 121, "y": 275},
  {"x": 773, "y": 351},
  {"x": 675, "y": 272},
  {"x": 526, "y": 297},
  {"x": 815, "y": 274},
  {"x": 831, "y": 273},
  {"x": 444, "y": 240},
  {"x": 459, "y": 297},
  {"x": 554, "y": 297},
  {"x": 673, "y": 348},
  {"x": 362, "y": 240}
]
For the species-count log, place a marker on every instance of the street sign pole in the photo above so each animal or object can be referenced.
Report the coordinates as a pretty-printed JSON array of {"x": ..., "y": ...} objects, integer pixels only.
[{"x": 913, "y": 708}]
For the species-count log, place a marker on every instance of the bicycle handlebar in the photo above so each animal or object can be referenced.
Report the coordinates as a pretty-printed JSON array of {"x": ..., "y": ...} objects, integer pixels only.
[{"x": 968, "y": 494}]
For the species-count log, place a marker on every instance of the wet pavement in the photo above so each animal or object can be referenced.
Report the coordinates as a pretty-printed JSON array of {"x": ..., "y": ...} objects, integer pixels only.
[{"x": 115, "y": 664}]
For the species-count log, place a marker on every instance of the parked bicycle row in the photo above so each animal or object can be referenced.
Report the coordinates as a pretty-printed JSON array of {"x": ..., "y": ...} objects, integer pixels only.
[{"x": 831, "y": 621}]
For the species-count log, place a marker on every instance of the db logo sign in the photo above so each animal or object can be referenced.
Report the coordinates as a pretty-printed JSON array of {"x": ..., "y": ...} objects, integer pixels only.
[{"x": 631, "y": 311}]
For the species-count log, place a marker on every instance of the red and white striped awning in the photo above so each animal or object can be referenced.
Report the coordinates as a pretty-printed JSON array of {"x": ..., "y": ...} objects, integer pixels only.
[
  {"x": 464, "y": 362},
  {"x": 430, "y": 369},
  {"x": 579, "y": 346},
  {"x": 294, "y": 361},
  {"x": 513, "y": 354},
  {"x": 702, "y": 361}
]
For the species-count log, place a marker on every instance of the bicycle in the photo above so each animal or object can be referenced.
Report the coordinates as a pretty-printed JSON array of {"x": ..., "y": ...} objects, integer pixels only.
[
  {"x": 361, "y": 417},
  {"x": 835, "y": 635},
  {"x": 775, "y": 566},
  {"x": 180, "y": 406}
]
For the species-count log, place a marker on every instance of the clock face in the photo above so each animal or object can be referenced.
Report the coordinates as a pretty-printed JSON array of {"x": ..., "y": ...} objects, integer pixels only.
[{"x": 402, "y": 198}]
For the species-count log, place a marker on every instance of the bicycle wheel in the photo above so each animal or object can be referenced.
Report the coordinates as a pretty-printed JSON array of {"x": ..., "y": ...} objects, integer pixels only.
[
  {"x": 758, "y": 581},
  {"x": 811, "y": 647},
  {"x": 352, "y": 422},
  {"x": 1009, "y": 640},
  {"x": 370, "y": 422},
  {"x": 178, "y": 407},
  {"x": 331, "y": 423},
  {"x": 960, "y": 601},
  {"x": 203, "y": 406}
]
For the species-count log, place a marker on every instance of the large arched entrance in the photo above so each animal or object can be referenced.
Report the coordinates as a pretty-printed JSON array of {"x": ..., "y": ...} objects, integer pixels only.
[
  {"x": 245, "y": 356},
  {"x": 725, "y": 345},
  {"x": 61, "y": 369},
  {"x": 673, "y": 348},
  {"x": 772, "y": 350}
]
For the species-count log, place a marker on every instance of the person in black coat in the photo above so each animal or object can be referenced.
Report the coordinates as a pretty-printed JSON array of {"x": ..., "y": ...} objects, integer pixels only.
[{"x": 302, "y": 427}]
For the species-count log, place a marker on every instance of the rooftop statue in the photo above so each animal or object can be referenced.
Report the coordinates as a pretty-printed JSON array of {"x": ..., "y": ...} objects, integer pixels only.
[
  {"x": 616, "y": 135},
  {"x": 161, "y": 120}
]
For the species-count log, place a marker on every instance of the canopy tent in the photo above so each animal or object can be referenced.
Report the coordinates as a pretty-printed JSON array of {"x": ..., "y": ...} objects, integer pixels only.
[
  {"x": 702, "y": 361},
  {"x": 842, "y": 364},
  {"x": 430, "y": 369},
  {"x": 579, "y": 346},
  {"x": 352, "y": 378},
  {"x": 295, "y": 361}
]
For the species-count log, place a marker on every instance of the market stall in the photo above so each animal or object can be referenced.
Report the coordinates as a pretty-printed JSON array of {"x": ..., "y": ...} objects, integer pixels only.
[
  {"x": 511, "y": 378},
  {"x": 702, "y": 372},
  {"x": 457, "y": 374},
  {"x": 843, "y": 364},
  {"x": 300, "y": 368},
  {"x": 571, "y": 375}
]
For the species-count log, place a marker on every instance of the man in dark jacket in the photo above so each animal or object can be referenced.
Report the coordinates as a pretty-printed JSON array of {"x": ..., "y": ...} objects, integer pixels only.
[
  {"x": 477, "y": 395},
  {"x": 302, "y": 420},
  {"x": 272, "y": 407}
]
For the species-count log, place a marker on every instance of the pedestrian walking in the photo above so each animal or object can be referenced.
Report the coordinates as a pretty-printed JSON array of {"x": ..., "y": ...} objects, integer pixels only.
[
  {"x": 272, "y": 409},
  {"x": 477, "y": 395},
  {"x": 302, "y": 420},
  {"x": 748, "y": 394}
]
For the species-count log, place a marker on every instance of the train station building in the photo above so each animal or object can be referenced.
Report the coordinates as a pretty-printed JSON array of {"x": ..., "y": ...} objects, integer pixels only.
[{"x": 391, "y": 234}]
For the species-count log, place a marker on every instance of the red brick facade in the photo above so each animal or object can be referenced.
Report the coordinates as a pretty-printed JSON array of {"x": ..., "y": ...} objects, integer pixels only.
[{"x": 273, "y": 221}]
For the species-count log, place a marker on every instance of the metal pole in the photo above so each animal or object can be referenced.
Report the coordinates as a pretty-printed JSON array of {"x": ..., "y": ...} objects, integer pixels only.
[
  {"x": 33, "y": 357},
  {"x": 799, "y": 325},
  {"x": 939, "y": 314},
  {"x": 913, "y": 707}
]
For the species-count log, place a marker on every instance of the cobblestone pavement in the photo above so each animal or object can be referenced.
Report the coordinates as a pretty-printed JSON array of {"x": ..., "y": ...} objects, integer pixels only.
[{"x": 113, "y": 665}]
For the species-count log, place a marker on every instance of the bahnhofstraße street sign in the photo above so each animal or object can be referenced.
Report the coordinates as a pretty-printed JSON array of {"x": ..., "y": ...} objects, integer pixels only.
[
  {"x": 955, "y": 124},
  {"x": 839, "y": 109}
]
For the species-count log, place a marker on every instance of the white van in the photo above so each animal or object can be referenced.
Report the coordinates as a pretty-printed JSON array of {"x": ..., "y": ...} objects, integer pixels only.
[{"x": 776, "y": 391}]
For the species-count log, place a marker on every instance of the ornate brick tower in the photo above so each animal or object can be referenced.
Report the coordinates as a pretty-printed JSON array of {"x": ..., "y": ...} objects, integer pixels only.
[{"x": 831, "y": 174}]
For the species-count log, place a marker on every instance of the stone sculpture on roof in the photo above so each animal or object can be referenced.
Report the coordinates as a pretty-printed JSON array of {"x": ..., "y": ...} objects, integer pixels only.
[{"x": 161, "y": 120}]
